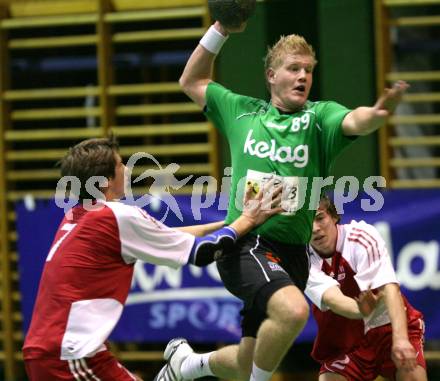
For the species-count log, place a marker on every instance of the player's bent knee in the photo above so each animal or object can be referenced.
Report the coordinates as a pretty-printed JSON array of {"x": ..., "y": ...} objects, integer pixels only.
[
  {"x": 292, "y": 314},
  {"x": 303, "y": 314},
  {"x": 289, "y": 306},
  {"x": 300, "y": 313}
]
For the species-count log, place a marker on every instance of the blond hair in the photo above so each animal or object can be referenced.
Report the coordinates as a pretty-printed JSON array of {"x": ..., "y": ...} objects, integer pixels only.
[{"x": 291, "y": 44}]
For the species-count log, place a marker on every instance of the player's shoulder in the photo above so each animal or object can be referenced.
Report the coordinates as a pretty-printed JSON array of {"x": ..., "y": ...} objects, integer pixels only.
[
  {"x": 363, "y": 235},
  {"x": 321, "y": 106},
  {"x": 361, "y": 226},
  {"x": 123, "y": 210},
  {"x": 96, "y": 211},
  {"x": 313, "y": 105},
  {"x": 132, "y": 215},
  {"x": 316, "y": 105},
  {"x": 216, "y": 89}
]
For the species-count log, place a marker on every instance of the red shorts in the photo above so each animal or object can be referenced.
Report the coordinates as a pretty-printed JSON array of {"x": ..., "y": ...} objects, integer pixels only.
[
  {"x": 101, "y": 367},
  {"x": 372, "y": 357}
]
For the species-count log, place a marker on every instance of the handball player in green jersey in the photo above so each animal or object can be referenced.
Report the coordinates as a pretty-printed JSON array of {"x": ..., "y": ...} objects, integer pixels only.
[{"x": 293, "y": 140}]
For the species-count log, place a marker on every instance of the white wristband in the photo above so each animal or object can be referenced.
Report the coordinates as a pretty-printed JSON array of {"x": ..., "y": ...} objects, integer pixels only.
[{"x": 213, "y": 40}]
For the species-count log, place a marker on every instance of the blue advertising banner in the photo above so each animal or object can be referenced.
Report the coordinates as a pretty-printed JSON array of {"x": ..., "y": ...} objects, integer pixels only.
[{"x": 191, "y": 302}]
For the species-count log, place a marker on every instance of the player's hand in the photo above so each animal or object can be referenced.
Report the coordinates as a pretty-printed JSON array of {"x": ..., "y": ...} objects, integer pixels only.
[
  {"x": 364, "y": 120},
  {"x": 390, "y": 98},
  {"x": 367, "y": 301},
  {"x": 403, "y": 355},
  {"x": 228, "y": 30},
  {"x": 264, "y": 204}
]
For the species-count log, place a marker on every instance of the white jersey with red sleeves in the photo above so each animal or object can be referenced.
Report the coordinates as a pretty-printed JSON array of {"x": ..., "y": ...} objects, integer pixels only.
[
  {"x": 361, "y": 261},
  {"x": 88, "y": 274}
]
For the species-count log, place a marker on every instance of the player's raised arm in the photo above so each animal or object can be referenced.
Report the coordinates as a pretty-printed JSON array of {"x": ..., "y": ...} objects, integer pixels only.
[
  {"x": 198, "y": 70},
  {"x": 232, "y": 17}
]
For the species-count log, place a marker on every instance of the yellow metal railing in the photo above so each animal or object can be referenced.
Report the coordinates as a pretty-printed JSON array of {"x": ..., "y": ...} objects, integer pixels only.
[
  {"x": 39, "y": 122},
  {"x": 389, "y": 20}
]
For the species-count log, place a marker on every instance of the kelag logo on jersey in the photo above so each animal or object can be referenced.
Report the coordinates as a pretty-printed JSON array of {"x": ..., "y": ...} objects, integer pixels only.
[{"x": 298, "y": 155}]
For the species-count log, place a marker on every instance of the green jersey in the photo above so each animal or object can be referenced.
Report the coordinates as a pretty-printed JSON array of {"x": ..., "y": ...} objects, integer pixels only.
[{"x": 292, "y": 148}]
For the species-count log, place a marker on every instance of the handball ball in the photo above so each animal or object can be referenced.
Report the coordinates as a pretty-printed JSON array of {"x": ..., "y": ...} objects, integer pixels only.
[{"x": 231, "y": 13}]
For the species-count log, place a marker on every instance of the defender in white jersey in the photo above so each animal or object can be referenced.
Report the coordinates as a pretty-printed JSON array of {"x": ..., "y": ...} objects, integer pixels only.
[
  {"x": 89, "y": 268},
  {"x": 346, "y": 260}
]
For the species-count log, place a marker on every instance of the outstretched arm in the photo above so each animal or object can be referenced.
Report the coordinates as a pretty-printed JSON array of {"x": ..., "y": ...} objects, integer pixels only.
[
  {"x": 266, "y": 203},
  {"x": 364, "y": 120},
  {"x": 348, "y": 307},
  {"x": 201, "y": 230}
]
